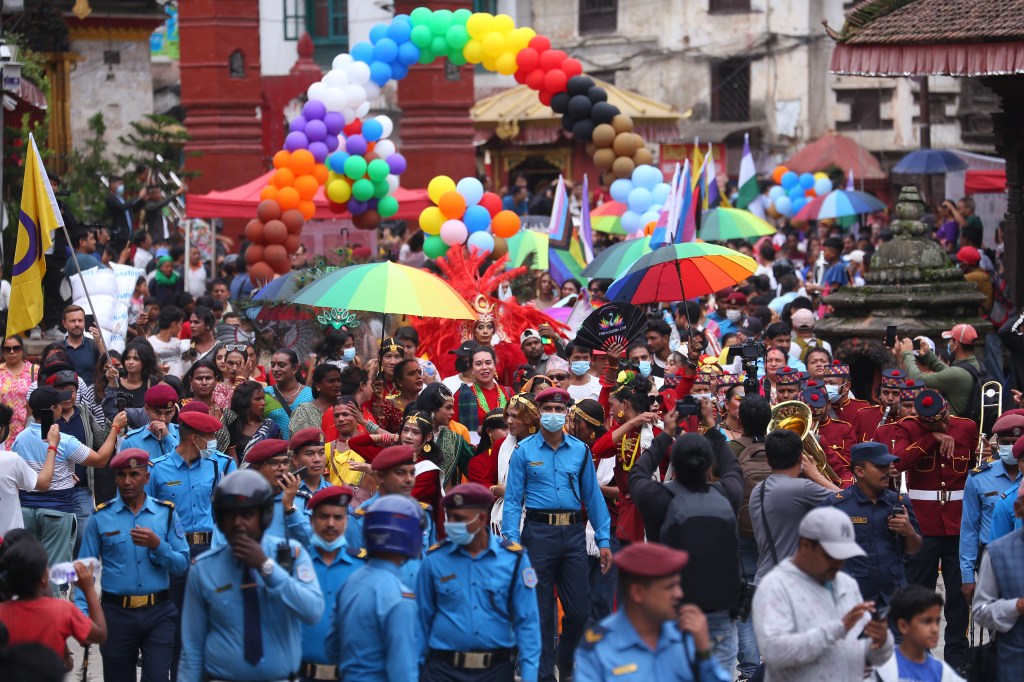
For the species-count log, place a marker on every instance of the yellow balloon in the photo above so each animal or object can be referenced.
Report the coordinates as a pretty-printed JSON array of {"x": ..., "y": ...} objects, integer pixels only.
[
  {"x": 506, "y": 64},
  {"x": 473, "y": 51},
  {"x": 820, "y": 176},
  {"x": 490, "y": 63},
  {"x": 339, "y": 191},
  {"x": 503, "y": 24},
  {"x": 519, "y": 38},
  {"x": 494, "y": 44},
  {"x": 431, "y": 220},
  {"x": 438, "y": 186},
  {"x": 479, "y": 25}
]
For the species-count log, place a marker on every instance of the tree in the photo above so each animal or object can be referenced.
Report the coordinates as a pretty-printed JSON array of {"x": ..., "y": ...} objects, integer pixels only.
[
  {"x": 155, "y": 142},
  {"x": 86, "y": 165}
]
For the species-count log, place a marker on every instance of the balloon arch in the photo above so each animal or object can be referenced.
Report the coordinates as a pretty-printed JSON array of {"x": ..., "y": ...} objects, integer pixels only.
[{"x": 332, "y": 144}]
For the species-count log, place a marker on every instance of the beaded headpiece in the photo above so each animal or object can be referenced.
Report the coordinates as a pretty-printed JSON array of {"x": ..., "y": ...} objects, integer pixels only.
[{"x": 575, "y": 411}]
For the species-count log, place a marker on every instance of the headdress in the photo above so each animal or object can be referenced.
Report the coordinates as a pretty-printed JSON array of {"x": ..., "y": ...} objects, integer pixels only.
[
  {"x": 389, "y": 345},
  {"x": 521, "y": 402},
  {"x": 575, "y": 411}
]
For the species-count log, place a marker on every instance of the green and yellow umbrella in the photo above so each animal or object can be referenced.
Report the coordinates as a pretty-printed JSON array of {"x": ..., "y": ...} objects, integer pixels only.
[
  {"x": 608, "y": 218},
  {"x": 723, "y": 224},
  {"x": 678, "y": 272},
  {"x": 617, "y": 258},
  {"x": 522, "y": 243}
]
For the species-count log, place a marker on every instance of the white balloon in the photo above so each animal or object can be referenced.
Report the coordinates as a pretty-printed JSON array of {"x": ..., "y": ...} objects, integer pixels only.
[
  {"x": 335, "y": 78},
  {"x": 342, "y": 60},
  {"x": 387, "y": 124},
  {"x": 392, "y": 183},
  {"x": 363, "y": 110},
  {"x": 334, "y": 99},
  {"x": 349, "y": 114},
  {"x": 384, "y": 148},
  {"x": 358, "y": 72},
  {"x": 355, "y": 95},
  {"x": 317, "y": 91},
  {"x": 372, "y": 90}
]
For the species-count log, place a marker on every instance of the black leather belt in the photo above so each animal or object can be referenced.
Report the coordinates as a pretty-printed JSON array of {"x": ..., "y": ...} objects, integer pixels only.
[
  {"x": 472, "y": 660},
  {"x": 554, "y": 517},
  {"x": 201, "y": 537},
  {"x": 135, "y": 601},
  {"x": 319, "y": 671}
]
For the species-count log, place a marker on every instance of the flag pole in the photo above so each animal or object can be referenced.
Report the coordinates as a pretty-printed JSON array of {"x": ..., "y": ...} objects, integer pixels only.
[{"x": 88, "y": 298}]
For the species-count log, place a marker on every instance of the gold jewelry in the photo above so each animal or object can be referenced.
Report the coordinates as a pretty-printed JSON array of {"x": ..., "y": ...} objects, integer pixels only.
[
  {"x": 577, "y": 412},
  {"x": 533, "y": 429},
  {"x": 620, "y": 414},
  {"x": 622, "y": 452},
  {"x": 521, "y": 402}
]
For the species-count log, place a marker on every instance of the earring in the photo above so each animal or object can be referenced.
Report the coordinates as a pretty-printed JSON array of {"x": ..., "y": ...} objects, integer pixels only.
[
  {"x": 533, "y": 429},
  {"x": 426, "y": 448},
  {"x": 620, "y": 414}
]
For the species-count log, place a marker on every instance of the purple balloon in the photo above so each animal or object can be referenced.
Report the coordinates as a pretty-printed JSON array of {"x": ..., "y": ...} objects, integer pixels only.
[
  {"x": 332, "y": 142},
  {"x": 356, "y": 207},
  {"x": 315, "y": 130},
  {"x": 356, "y": 144},
  {"x": 319, "y": 151},
  {"x": 296, "y": 141},
  {"x": 335, "y": 122},
  {"x": 372, "y": 204},
  {"x": 314, "y": 109},
  {"x": 396, "y": 162},
  {"x": 297, "y": 124}
]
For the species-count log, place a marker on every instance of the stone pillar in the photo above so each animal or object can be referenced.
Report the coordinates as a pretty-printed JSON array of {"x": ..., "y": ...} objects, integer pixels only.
[
  {"x": 1008, "y": 126},
  {"x": 220, "y": 91},
  {"x": 436, "y": 129}
]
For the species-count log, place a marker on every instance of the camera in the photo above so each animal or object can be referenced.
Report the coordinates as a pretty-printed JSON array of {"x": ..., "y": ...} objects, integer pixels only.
[
  {"x": 123, "y": 398},
  {"x": 749, "y": 353},
  {"x": 689, "y": 406}
]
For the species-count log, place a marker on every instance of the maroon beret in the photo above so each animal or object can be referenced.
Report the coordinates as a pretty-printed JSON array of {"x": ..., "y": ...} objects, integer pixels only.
[
  {"x": 199, "y": 422},
  {"x": 194, "y": 406},
  {"x": 1018, "y": 448},
  {"x": 303, "y": 437},
  {"x": 130, "y": 458},
  {"x": 393, "y": 456},
  {"x": 1009, "y": 425},
  {"x": 650, "y": 560},
  {"x": 468, "y": 496},
  {"x": 161, "y": 396},
  {"x": 554, "y": 395},
  {"x": 339, "y": 495},
  {"x": 265, "y": 449}
]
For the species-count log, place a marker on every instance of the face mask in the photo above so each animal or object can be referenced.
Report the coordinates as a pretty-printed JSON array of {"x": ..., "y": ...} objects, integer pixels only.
[
  {"x": 580, "y": 367},
  {"x": 732, "y": 315},
  {"x": 703, "y": 396},
  {"x": 833, "y": 393},
  {"x": 645, "y": 368},
  {"x": 120, "y": 191},
  {"x": 551, "y": 422},
  {"x": 458, "y": 532},
  {"x": 334, "y": 546},
  {"x": 207, "y": 452},
  {"x": 348, "y": 354},
  {"x": 1006, "y": 455}
]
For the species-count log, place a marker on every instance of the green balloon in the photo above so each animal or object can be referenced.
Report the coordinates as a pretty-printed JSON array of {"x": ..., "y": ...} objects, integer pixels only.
[
  {"x": 380, "y": 189},
  {"x": 426, "y": 56},
  {"x": 461, "y": 16},
  {"x": 421, "y": 35},
  {"x": 355, "y": 167},
  {"x": 440, "y": 21},
  {"x": 378, "y": 169},
  {"x": 362, "y": 189},
  {"x": 387, "y": 207},
  {"x": 457, "y": 37},
  {"x": 456, "y": 57},
  {"x": 420, "y": 16},
  {"x": 433, "y": 247},
  {"x": 438, "y": 45}
]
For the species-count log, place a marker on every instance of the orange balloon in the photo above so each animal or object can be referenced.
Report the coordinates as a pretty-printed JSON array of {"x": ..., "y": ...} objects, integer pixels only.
[
  {"x": 505, "y": 224},
  {"x": 281, "y": 158},
  {"x": 268, "y": 193},
  {"x": 452, "y": 205},
  {"x": 288, "y": 198},
  {"x": 320, "y": 172},
  {"x": 308, "y": 209},
  {"x": 302, "y": 162},
  {"x": 306, "y": 185},
  {"x": 283, "y": 177},
  {"x": 810, "y": 193},
  {"x": 778, "y": 173}
]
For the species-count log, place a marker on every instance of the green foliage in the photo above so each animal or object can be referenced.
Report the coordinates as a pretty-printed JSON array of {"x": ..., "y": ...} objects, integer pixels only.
[
  {"x": 156, "y": 142},
  {"x": 86, "y": 165}
]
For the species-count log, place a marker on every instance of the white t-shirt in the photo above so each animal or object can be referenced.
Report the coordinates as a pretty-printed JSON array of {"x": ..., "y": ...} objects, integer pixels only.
[
  {"x": 15, "y": 474},
  {"x": 591, "y": 389},
  {"x": 5, "y": 294},
  {"x": 142, "y": 258},
  {"x": 195, "y": 281},
  {"x": 169, "y": 353},
  {"x": 453, "y": 382}
]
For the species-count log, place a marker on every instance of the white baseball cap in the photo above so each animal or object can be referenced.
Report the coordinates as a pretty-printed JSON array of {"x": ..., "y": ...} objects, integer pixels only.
[
  {"x": 833, "y": 530},
  {"x": 803, "y": 319}
]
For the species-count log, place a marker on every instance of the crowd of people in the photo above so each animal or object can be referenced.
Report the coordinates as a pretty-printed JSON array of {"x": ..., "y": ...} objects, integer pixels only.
[{"x": 493, "y": 499}]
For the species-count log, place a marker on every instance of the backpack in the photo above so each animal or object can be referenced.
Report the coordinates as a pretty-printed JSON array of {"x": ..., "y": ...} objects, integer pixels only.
[
  {"x": 704, "y": 525},
  {"x": 980, "y": 376},
  {"x": 754, "y": 463},
  {"x": 1002, "y": 306}
]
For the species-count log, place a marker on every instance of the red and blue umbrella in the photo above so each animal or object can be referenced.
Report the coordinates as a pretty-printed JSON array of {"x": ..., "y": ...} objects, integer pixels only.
[
  {"x": 678, "y": 272},
  {"x": 839, "y": 203}
]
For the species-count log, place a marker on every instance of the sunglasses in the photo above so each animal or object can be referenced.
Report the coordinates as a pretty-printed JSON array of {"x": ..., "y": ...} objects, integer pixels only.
[
  {"x": 559, "y": 377},
  {"x": 234, "y": 346},
  {"x": 12, "y": 349}
]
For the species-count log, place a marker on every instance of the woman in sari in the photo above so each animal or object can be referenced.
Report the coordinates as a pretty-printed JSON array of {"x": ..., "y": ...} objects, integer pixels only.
[
  {"x": 326, "y": 389},
  {"x": 287, "y": 393},
  {"x": 391, "y": 353},
  {"x": 344, "y": 465},
  {"x": 455, "y": 451},
  {"x": 474, "y": 402},
  {"x": 494, "y": 429},
  {"x": 249, "y": 426},
  {"x": 408, "y": 378}
]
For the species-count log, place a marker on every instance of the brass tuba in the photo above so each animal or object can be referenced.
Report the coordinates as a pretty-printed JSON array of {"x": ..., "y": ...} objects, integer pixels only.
[{"x": 796, "y": 416}]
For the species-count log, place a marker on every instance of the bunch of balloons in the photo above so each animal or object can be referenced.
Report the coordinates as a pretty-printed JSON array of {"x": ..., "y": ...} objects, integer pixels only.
[
  {"x": 274, "y": 235},
  {"x": 390, "y": 52},
  {"x": 440, "y": 34},
  {"x": 315, "y": 129},
  {"x": 644, "y": 194},
  {"x": 295, "y": 181},
  {"x": 465, "y": 214},
  {"x": 544, "y": 69},
  {"x": 364, "y": 171},
  {"x": 346, "y": 89},
  {"x": 792, "y": 191},
  {"x": 495, "y": 42}
]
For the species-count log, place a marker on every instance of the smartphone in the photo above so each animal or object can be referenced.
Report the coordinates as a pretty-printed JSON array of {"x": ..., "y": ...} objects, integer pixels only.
[
  {"x": 122, "y": 401},
  {"x": 300, "y": 472},
  {"x": 90, "y": 322},
  {"x": 881, "y": 613},
  {"x": 890, "y": 336},
  {"x": 45, "y": 422}
]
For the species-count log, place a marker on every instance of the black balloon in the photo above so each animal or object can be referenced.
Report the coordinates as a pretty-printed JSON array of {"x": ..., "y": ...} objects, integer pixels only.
[
  {"x": 579, "y": 85},
  {"x": 579, "y": 107},
  {"x": 597, "y": 94},
  {"x": 567, "y": 122},
  {"x": 560, "y": 102},
  {"x": 583, "y": 130},
  {"x": 603, "y": 112}
]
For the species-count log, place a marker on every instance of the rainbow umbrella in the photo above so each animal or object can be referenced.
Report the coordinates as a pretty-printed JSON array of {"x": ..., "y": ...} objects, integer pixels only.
[
  {"x": 723, "y": 224},
  {"x": 617, "y": 258},
  {"x": 678, "y": 272},
  {"x": 839, "y": 203},
  {"x": 608, "y": 217},
  {"x": 522, "y": 243}
]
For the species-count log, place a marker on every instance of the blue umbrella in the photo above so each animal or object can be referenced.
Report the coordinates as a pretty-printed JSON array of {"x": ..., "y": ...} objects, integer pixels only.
[
  {"x": 929, "y": 162},
  {"x": 280, "y": 289}
]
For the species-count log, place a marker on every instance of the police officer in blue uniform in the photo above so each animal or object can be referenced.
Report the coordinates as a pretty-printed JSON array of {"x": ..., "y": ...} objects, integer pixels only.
[
  {"x": 334, "y": 561},
  {"x": 883, "y": 521},
  {"x": 375, "y": 635},
  {"x": 1004, "y": 521},
  {"x": 309, "y": 462},
  {"x": 141, "y": 543},
  {"x": 650, "y": 594},
  {"x": 160, "y": 436},
  {"x": 270, "y": 458},
  {"x": 245, "y": 601},
  {"x": 984, "y": 485},
  {"x": 551, "y": 475},
  {"x": 476, "y": 597}
]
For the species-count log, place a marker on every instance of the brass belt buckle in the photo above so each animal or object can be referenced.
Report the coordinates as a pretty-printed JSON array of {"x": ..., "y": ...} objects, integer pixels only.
[
  {"x": 562, "y": 518},
  {"x": 943, "y": 496},
  {"x": 475, "y": 660},
  {"x": 138, "y": 601},
  {"x": 325, "y": 672}
]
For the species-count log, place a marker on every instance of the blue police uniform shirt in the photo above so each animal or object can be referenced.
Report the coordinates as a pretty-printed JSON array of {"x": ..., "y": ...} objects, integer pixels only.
[
  {"x": 189, "y": 486},
  {"x": 410, "y": 569},
  {"x": 306, "y": 494},
  {"x": 725, "y": 325},
  {"x": 143, "y": 438},
  {"x": 613, "y": 650},
  {"x": 212, "y": 628},
  {"x": 331, "y": 577},
  {"x": 1004, "y": 521},
  {"x": 540, "y": 477},
  {"x": 981, "y": 493},
  {"x": 375, "y": 634},
  {"x": 479, "y": 603},
  {"x": 881, "y": 572},
  {"x": 130, "y": 569}
]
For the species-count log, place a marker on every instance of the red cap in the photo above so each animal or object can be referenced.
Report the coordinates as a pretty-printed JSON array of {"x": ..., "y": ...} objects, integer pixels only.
[
  {"x": 968, "y": 255},
  {"x": 199, "y": 422},
  {"x": 1018, "y": 448},
  {"x": 650, "y": 560},
  {"x": 1009, "y": 425},
  {"x": 962, "y": 333},
  {"x": 468, "y": 496},
  {"x": 339, "y": 495},
  {"x": 307, "y": 436},
  {"x": 735, "y": 298},
  {"x": 265, "y": 449},
  {"x": 393, "y": 456},
  {"x": 130, "y": 458},
  {"x": 161, "y": 396},
  {"x": 554, "y": 395},
  {"x": 194, "y": 406}
]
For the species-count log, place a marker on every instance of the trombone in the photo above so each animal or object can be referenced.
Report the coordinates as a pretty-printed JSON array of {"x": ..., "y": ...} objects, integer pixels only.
[{"x": 991, "y": 398}]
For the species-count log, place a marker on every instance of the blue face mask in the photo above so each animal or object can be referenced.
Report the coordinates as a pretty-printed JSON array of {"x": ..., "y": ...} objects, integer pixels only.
[
  {"x": 1006, "y": 455},
  {"x": 552, "y": 422},
  {"x": 580, "y": 367},
  {"x": 207, "y": 452},
  {"x": 645, "y": 368},
  {"x": 338, "y": 543},
  {"x": 348, "y": 354},
  {"x": 833, "y": 393},
  {"x": 458, "y": 533}
]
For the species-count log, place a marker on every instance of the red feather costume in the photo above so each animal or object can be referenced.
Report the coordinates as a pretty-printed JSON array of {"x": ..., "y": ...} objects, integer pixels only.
[{"x": 462, "y": 270}]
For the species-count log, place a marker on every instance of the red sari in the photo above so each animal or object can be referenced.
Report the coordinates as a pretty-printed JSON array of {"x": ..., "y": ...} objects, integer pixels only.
[{"x": 630, "y": 525}]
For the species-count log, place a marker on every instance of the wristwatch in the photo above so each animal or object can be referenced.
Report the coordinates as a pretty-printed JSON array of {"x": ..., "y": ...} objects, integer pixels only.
[{"x": 267, "y": 568}]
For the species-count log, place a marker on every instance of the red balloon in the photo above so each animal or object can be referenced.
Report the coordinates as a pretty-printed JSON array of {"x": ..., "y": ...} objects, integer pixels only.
[
  {"x": 552, "y": 59},
  {"x": 535, "y": 79},
  {"x": 353, "y": 128},
  {"x": 337, "y": 208},
  {"x": 253, "y": 254},
  {"x": 268, "y": 210},
  {"x": 520, "y": 76},
  {"x": 254, "y": 231},
  {"x": 555, "y": 81},
  {"x": 572, "y": 67},
  {"x": 260, "y": 273},
  {"x": 292, "y": 243},
  {"x": 492, "y": 202},
  {"x": 545, "y": 97},
  {"x": 528, "y": 59},
  {"x": 274, "y": 232},
  {"x": 275, "y": 254},
  {"x": 293, "y": 220},
  {"x": 540, "y": 43}
]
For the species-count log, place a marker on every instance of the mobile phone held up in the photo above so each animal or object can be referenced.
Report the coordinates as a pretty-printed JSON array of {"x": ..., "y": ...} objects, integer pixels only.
[{"x": 890, "y": 336}]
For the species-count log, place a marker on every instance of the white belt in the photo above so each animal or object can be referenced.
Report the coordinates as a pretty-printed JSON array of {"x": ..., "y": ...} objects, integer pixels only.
[{"x": 936, "y": 495}]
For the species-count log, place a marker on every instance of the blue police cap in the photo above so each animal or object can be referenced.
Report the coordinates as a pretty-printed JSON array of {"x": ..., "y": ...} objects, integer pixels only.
[{"x": 876, "y": 453}]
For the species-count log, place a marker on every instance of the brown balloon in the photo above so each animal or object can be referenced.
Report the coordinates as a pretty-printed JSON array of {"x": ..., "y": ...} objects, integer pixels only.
[
  {"x": 284, "y": 268},
  {"x": 367, "y": 221},
  {"x": 293, "y": 220},
  {"x": 624, "y": 145},
  {"x": 260, "y": 273},
  {"x": 292, "y": 243},
  {"x": 604, "y": 158},
  {"x": 274, "y": 232},
  {"x": 500, "y": 248},
  {"x": 268, "y": 210},
  {"x": 604, "y": 135},
  {"x": 622, "y": 123},
  {"x": 253, "y": 254},
  {"x": 623, "y": 167},
  {"x": 590, "y": 148},
  {"x": 641, "y": 157},
  {"x": 254, "y": 231},
  {"x": 275, "y": 254}
]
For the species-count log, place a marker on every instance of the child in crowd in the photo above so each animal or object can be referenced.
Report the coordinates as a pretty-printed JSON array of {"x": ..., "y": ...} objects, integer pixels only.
[{"x": 916, "y": 613}]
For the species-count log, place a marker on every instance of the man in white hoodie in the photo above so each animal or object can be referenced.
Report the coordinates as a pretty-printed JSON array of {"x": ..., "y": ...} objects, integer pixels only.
[{"x": 808, "y": 615}]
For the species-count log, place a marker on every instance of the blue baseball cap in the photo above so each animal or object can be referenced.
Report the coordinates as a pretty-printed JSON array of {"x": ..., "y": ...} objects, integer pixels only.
[{"x": 876, "y": 453}]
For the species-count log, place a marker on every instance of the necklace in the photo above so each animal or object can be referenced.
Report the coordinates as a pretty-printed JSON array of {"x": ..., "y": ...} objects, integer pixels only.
[
  {"x": 632, "y": 457},
  {"x": 291, "y": 396},
  {"x": 481, "y": 401}
]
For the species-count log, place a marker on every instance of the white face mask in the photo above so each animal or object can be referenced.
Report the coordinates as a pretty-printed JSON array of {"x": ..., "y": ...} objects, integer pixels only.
[
  {"x": 833, "y": 393},
  {"x": 732, "y": 315},
  {"x": 1006, "y": 455},
  {"x": 209, "y": 450}
]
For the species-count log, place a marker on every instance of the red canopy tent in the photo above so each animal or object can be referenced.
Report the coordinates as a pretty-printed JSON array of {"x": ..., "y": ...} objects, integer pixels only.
[
  {"x": 838, "y": 150},
  {"x": 241, "y": 202},
  {"x": 985, "y": 181}
]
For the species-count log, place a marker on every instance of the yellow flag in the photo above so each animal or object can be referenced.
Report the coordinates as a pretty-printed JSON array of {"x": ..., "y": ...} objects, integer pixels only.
[
  {"x": 696, "y": 163},
  {"x": 39, "y": 218}
]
